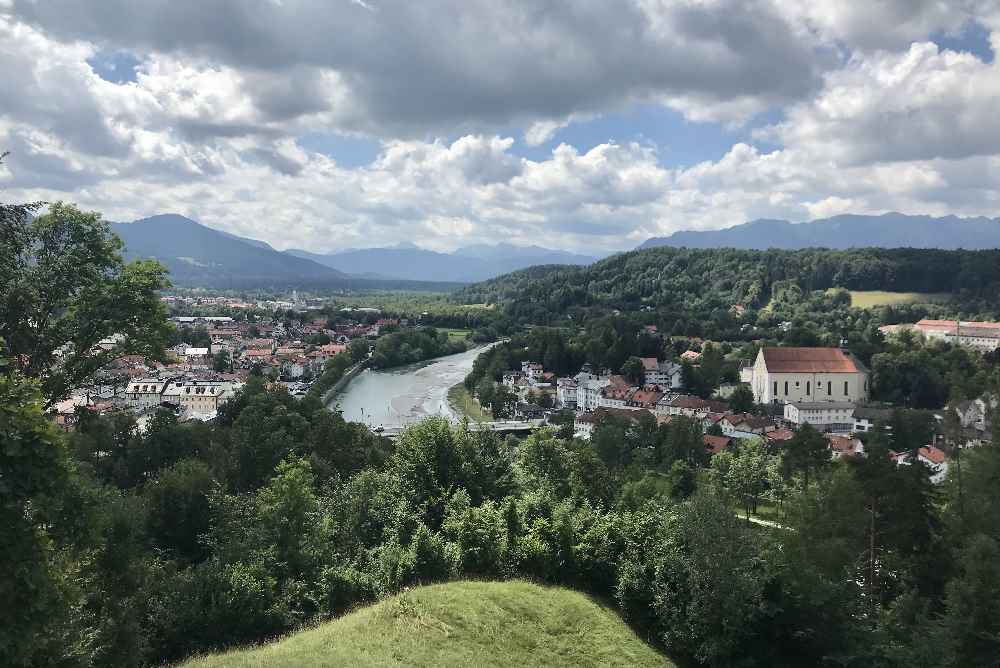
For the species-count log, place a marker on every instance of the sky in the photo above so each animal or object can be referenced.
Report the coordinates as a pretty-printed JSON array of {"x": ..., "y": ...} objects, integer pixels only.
[{"x": 587, "y": 126}]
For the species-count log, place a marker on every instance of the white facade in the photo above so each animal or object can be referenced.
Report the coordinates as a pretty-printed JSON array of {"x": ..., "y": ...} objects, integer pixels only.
[
  {"x": 566, "y": 389},
  {"x": 205, "y": 397},
  {"x": 144, "y": 393},
  {"x": 809, "y": 381},
  {"x": 665, "y": 374},
  {"x": 831, "y": 416},
  {"x": 588, "y": 391}
]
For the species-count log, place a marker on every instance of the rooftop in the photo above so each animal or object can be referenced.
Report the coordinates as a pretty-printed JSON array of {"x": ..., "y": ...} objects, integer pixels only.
[{"x": 809, "y": 360}]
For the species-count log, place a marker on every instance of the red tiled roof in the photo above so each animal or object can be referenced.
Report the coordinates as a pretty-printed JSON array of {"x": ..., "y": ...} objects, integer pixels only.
[
  {"x": 808, "y": 360},
  {"x": 780, "y": 435},
  {"x": 715, "y": 444},
  {"x": 649, "y": 363},
  {"x": 933, "y": 454}
]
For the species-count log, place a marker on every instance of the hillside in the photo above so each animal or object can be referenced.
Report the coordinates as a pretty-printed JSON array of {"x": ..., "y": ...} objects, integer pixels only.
[
  {"x": 695, "y": 282},
  {"x": 890, "y": 230},
  {"x": 200, "y": 256},
  {"x": 460, "y": 624},
  {"x": 465, "y": 265}
]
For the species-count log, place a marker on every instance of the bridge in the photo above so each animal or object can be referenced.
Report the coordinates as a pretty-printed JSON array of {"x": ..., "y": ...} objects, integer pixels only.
[{"x": 499, "y": 427}]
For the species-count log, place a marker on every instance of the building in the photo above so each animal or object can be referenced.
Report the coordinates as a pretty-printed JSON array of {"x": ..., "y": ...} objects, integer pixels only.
[
  {"x": 984, "y": 336},
  {"x": 664, "y": 374},
  {"x": 588, "y": 390},
  {"x": 585, "y": 423},
  {"x": 566, "y": 393},
  {"x": 204, "y": 397},
  {"x": 866, "y": 417},
  {"x": 145, "y": 393},
  {"x": 745, "y": 425},
  {"x": 828, "y": 416},
  {"x": 843, "y": 446},
  {"x": 197, "y": 358},
  {"x": 715, "y": 444},
  {"x": 531, "y": 369},
  {"x": 783, "y": 375}
]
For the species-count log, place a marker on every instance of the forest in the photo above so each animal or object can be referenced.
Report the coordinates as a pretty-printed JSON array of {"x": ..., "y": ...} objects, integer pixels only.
[
  {"x": 132, "y": 546},
  {"x": 685, "y": 287}
]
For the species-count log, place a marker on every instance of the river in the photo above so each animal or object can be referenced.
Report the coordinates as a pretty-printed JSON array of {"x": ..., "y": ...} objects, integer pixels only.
[{"x": 401, "y": 396}]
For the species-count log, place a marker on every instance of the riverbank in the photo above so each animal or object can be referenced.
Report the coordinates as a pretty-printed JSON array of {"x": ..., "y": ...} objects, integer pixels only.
[{"x": 465, "y": 405}]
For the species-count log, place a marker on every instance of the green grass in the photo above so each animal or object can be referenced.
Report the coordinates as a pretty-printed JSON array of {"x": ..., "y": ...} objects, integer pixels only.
[
  {"x": 460, "y": 624},
  {"x": 463, "y": 404},
  {"x": 873, "y": 298},
  {"x": 455, "y": 334}
]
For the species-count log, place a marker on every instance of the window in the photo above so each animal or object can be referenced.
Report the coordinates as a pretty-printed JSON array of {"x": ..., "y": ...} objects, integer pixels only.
[
  {"x": 808, "y": 387},
  {"x": 775, "y": 388},
  {"x": 829, "y": 387},
  {"x": 845, "y": 388},
  {"x": 786, "y": 387}
]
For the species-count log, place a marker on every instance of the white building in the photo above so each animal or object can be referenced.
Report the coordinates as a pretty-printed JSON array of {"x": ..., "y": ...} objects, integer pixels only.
[
  {"x": 566, "y": 393},
  {"x": 145, "y": 393},
  {"x": 984, "y": 336},
  {"x": 665, "y": 374},
  {"x": 828, "y": 416},
  {"x": 588, "y": 390},
  {"x": 783, "y": 375}
]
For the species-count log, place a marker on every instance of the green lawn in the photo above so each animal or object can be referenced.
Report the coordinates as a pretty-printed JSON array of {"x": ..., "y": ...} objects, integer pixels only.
[
  {"x": 463, "y": 404},
  {"x": 873, "y": 298},
  {"x": 460, "y": 624},
  {"x": 454, "y": 334}
]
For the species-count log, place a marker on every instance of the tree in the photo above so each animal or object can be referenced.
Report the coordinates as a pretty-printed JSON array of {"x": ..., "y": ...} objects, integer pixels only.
[
  {"x": 741, "y": 400},
  {"x": 807, "y": 452},
  {"x": 972, "y": 619},
  {"x": 634, "y": 371},
  {"x": 33, "y": 469},
  {"x": 64, "y": 289},
  {"x": 221, "y": 361},
  {"x": 747, "y": 474}
]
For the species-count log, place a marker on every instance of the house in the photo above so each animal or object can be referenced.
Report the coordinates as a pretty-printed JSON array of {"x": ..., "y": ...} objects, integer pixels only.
[
  {"x": 647, "y": 396},
  {"x": 826, "y": 416},
  {"x": 745, "y": 425},
  {"x": 616, "y": 393},
  {"x": 566, "y": 392},
  {"x": 779, "y": 436},
  {"x": 588, "y": 390},
  {"x": 715, "y": 444},
  {"x": 531, "y": 369},
  {"x": 145, "y": 393},
  {"x": 664, "y": 374},
  {"x": 197, "y": 358},
  {"x": 783, "y": 375},
  {"x": 204, "y": 397},
  {"x": 936, "y": 461},
  {"x": 692, "y": 406},
  {"x": 844, "y": 446},
  {"x": 866, "y": 417}
]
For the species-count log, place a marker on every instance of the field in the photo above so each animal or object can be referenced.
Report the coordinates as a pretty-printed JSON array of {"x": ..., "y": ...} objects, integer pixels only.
[
  {"x": 463, "y": 404},
  {"x": 460, "y": 624},
  {"x": 455, "y": 334},
  {"x": 873, "y": 298}
]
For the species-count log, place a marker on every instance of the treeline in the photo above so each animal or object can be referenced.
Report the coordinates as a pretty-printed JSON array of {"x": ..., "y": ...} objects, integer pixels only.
[
  {"x": 703, "y": 283},
  {"x": 139, "y": 548},
  {"x": 413, "y": 345}
]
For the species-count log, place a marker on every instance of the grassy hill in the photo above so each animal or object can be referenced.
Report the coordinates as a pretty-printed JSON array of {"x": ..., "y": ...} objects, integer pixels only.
[{"x": 460, "y": 624}]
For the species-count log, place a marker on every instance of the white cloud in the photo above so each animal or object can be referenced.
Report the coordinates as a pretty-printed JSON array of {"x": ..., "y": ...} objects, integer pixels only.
[{"x": 209, "y": 126}]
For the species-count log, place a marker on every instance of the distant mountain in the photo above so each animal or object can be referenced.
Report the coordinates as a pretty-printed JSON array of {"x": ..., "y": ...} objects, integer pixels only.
[
  {"x": 197, "y": 255},
  {"x": 465, "y": 265},
  {"x": 890, "y": 230}
]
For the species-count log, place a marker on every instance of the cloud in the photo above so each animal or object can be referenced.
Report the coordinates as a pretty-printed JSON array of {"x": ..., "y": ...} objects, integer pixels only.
[
  {"x": 404, "y": 69},
  {"x": 873, "y": 117}
]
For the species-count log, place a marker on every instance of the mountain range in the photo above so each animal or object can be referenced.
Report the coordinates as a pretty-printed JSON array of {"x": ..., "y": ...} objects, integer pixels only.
[
  {"x": 464, "y": 265},
  {"x": 890, "y": 230},
  {"x": 197, "y": 255}
]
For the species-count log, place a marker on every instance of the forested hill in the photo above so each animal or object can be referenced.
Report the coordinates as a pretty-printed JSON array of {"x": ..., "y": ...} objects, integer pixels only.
[{"x": 700, "y": 280}]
